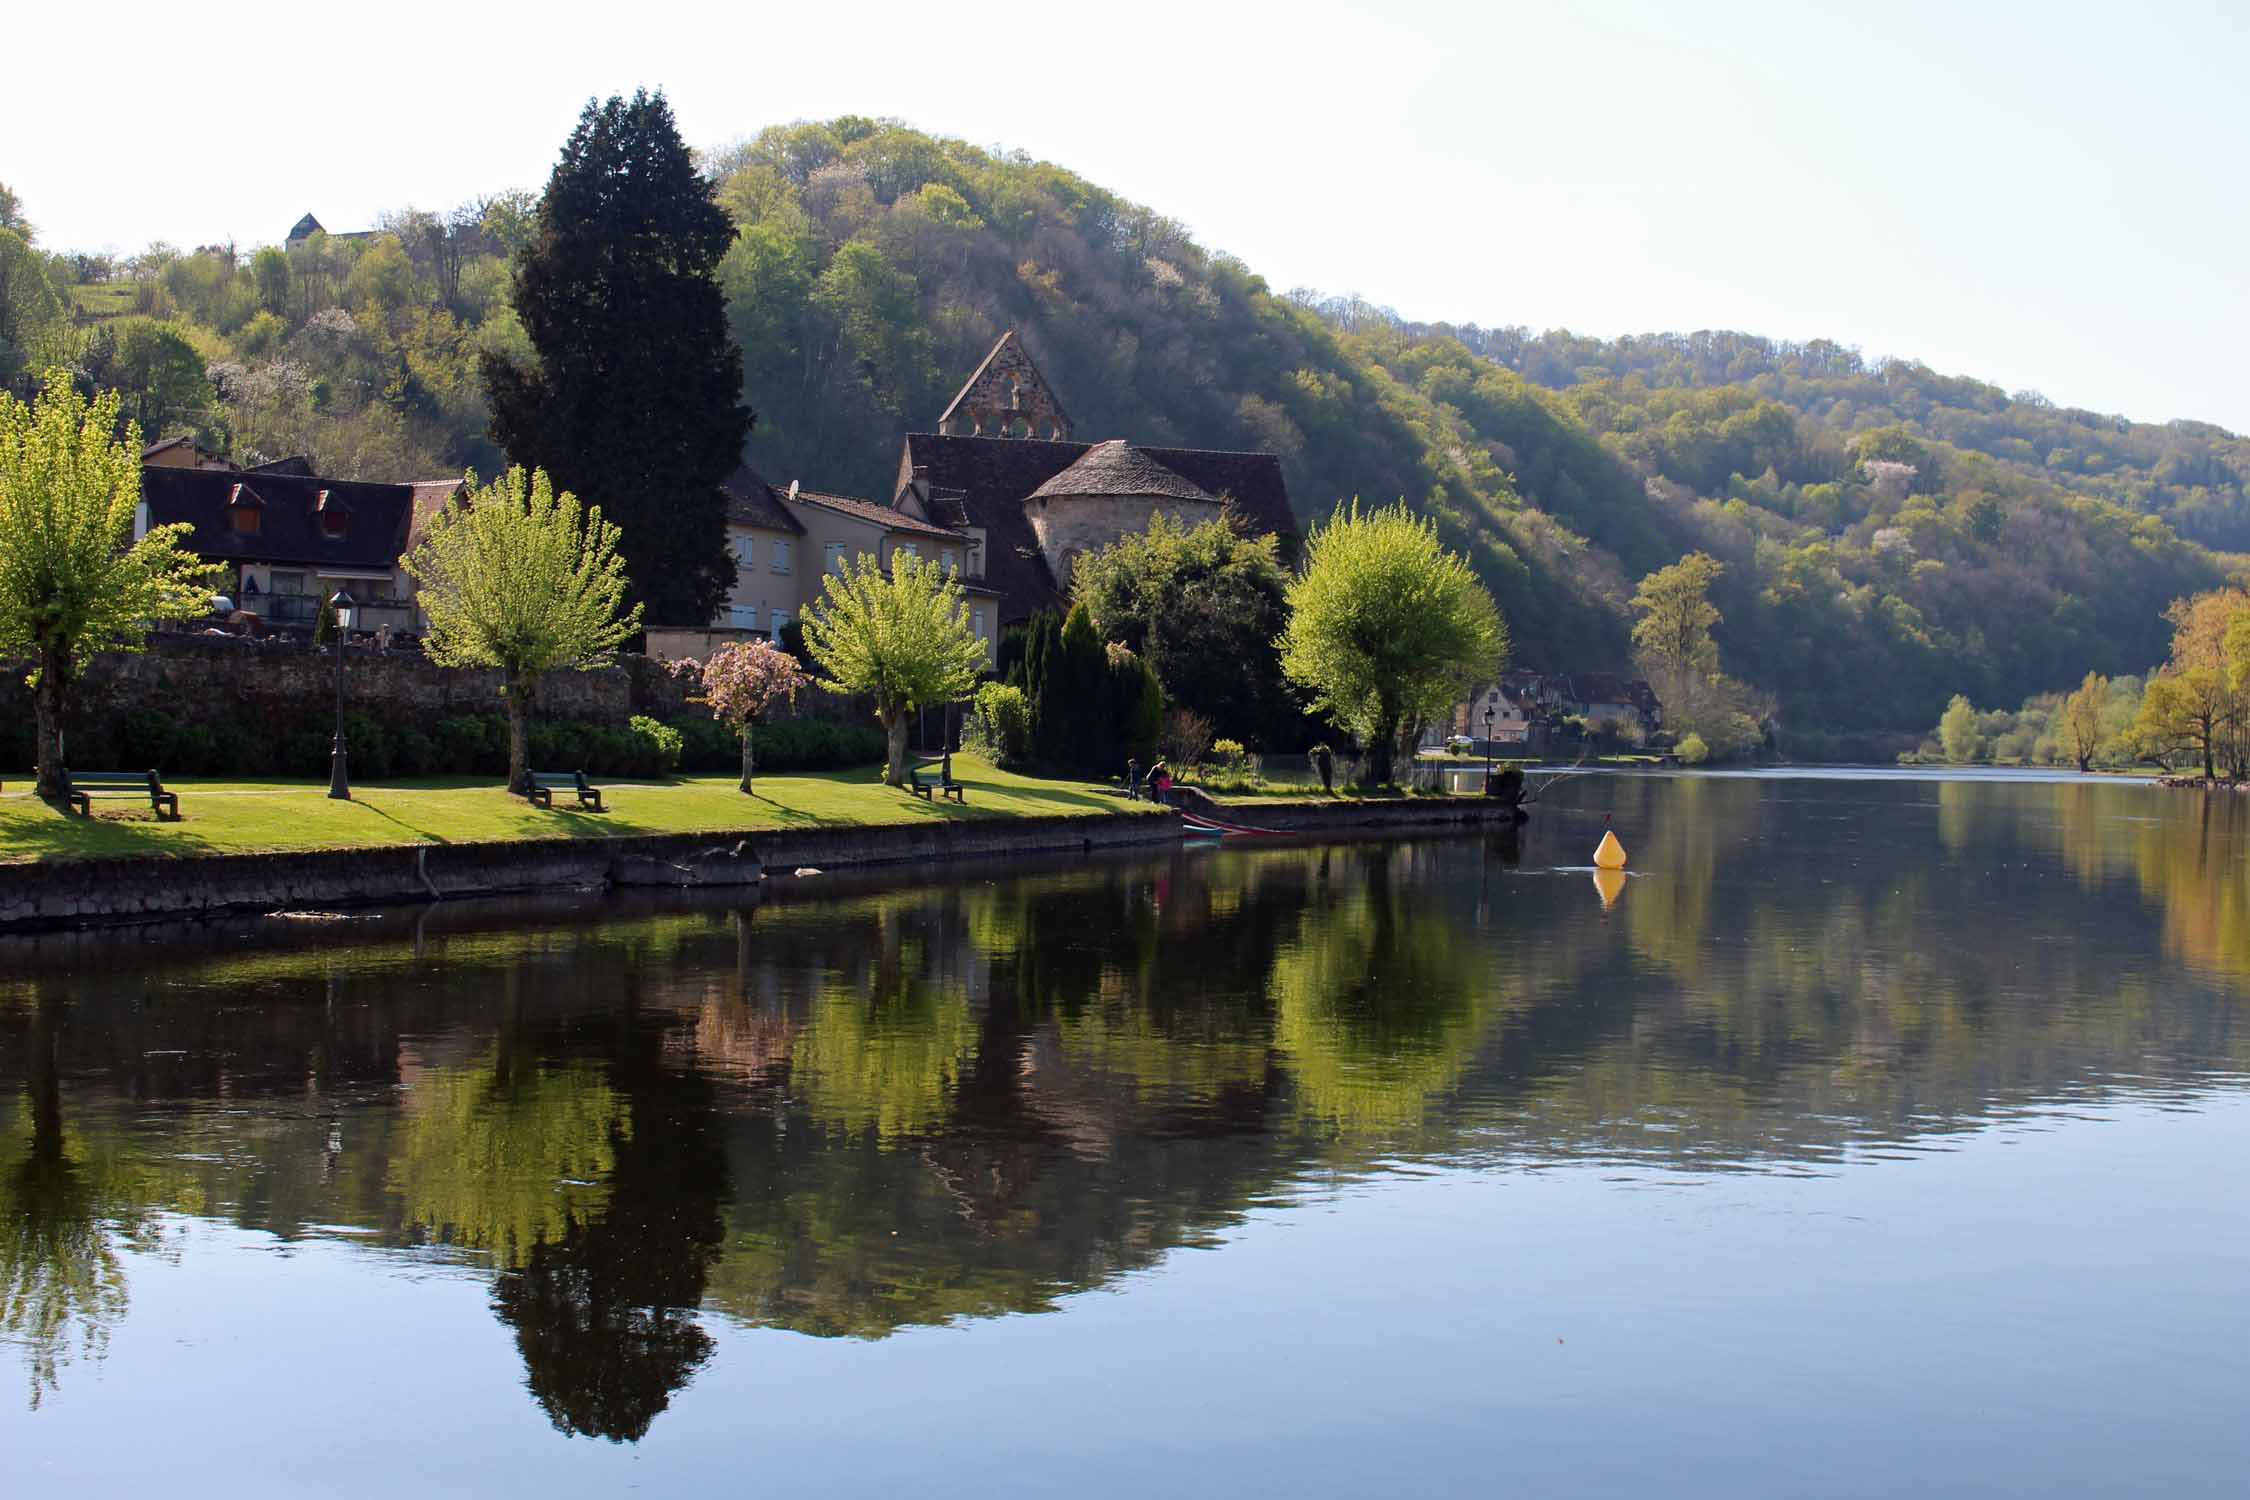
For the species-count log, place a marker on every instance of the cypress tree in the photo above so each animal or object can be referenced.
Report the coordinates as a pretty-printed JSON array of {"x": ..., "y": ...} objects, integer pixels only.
[{"x": 634, "y": 403}]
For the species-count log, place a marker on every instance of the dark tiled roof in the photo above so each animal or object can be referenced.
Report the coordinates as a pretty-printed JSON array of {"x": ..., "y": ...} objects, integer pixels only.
[
  {"x": 752, "y": 502},
  {"x": 296, "y": 464},
  {"x": 1118, "y": 468},
  {"x": 289, "y": 524},
  {"x": 882, "y": 515},
  {"x": 994, "y": 476}
]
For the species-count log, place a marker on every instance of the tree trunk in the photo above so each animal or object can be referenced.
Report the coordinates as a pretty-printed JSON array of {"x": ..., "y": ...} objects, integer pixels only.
[
  {"x": 747, "y": 763},
  {"x": 2085, "y": 764},
  {"x": 1377, "y": 771},
  {"x": 518, "y": 693},
  {"x": 2210, "y": 771},
  {"x": 47, "y": 712},
  {"x": 894, "y": 726}
]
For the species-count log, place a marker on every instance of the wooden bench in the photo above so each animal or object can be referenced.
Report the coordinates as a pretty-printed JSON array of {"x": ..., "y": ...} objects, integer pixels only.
[
  {"x": 80, "y": 787},
  {"x": 929, "y": 783},
  {"x": 544, "y": 785}
]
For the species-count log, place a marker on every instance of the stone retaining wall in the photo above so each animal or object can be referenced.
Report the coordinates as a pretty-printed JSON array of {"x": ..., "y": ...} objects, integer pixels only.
[{"x": 64, "y": 893}]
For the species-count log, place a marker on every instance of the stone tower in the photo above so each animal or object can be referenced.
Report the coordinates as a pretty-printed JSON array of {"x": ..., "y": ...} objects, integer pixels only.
[{"x": 1006, "y": 397}]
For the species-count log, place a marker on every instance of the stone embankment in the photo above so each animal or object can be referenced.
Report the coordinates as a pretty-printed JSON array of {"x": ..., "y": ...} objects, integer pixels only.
[
  {"x": 2204, "y": 784},
  {"x": 62, "y": 893},
  {"x": 50, "y": 894}
]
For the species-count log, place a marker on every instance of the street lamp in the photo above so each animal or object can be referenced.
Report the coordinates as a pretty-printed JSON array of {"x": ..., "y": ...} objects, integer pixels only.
[{"x": 339, "y": 769}]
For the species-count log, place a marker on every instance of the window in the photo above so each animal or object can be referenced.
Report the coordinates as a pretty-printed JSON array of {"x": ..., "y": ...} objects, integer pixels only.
[
  {"x": 245, "y": 519},
  {"x": 780, "y": 618},
  {"x": 743, "y": 616},
  {"x": 949, "y": 561},
  {"x": 746, "y": 551},
  {"x": 333, "y": 523},
  {"x": 976, "y": 559},
  {"x": 832, "y": 557},
  {"x": 288, "y": 583},
  {"x": 781, "y": 557},
  {"x": 976, "y": 623},
  {"x": 903, "y": 549}
]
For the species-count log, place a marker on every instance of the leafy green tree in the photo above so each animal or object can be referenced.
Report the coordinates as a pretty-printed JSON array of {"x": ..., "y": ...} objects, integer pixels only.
[
  {"x": 155, "y": 368},
  {"x": 2082, "y": 716},
  {"x": 269, "y": 273},
  {"x": 12, "y": 217},
  {"x": 1958, "y": 734},
  {"x": 33, "y": 324},
  {"x": 1203, "y": 605},
  {"x": 73, "y": 579},
  {"x": 518, "y": 577},
  {"x": 900, "y": 637},
  {"x": 634, "y": 398},
  {"x": 1673, "y": 634},
  {"x": 1385, "y": 623}
]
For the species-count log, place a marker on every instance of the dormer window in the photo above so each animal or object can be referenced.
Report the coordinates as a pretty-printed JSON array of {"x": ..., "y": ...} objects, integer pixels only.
[
  {"x": 245, "y": 511},
  {"x": 335, "y": 515}
]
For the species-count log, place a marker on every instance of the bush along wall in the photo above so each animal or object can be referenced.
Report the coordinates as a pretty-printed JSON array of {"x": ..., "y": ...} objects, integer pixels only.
[{"x": 458, "y": 745}]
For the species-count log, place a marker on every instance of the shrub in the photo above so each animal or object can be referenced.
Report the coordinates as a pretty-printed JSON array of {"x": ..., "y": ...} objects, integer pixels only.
[
  {"x": 655, "y": 747},
  {"x": 1692, "y": 751},
  {"x": 195, "y": 751},
  {"x": 144, "y": 738},
  {"x": 1232, "y": 756},
  {"x": 473, "y": 745},
  {"x": 708, "y": 745},
  {"x": 368, "y": 744},
  {"x": 1000, "y": 723},
  {"x": 415, "y": 753}
]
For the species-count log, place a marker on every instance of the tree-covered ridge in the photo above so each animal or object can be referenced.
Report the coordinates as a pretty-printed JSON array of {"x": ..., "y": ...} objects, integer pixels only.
[{"x": 874, "y": 265}]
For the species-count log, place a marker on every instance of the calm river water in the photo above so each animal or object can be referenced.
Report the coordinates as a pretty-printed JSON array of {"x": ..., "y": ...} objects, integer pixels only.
[{"x": 1880, "y": 1136}]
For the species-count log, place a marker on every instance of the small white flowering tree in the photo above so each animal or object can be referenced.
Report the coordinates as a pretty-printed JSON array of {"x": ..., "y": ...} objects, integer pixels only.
[
  {"x": 743, "y": 681},
  {"x": 518, "y": 577},
  {"x": 901, "y": 637}
]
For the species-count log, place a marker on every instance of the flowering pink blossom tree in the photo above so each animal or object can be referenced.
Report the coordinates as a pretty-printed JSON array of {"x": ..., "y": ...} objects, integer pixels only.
[{"x": 742, "y": 680}]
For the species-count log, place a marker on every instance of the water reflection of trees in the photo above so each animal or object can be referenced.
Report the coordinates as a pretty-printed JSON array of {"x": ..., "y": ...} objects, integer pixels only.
[
  {"x": 897, "y": 1106},
  {"x": 67, "y": 1203}
]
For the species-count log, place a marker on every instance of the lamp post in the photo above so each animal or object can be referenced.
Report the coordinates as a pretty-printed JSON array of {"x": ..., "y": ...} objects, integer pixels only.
[
  {"x": 1488, "y": 749},
  {"x": 339, "y": 767}
]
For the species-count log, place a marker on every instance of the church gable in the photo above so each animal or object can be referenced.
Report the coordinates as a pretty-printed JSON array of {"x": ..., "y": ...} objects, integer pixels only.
[{"x": 1007, "y": 397}]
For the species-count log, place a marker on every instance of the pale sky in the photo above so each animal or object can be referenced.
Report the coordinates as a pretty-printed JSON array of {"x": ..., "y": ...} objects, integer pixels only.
[{"x": 2040, "y": 195}]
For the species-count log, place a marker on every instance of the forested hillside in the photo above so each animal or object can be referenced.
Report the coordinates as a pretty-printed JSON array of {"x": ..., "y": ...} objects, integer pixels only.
[{"x": 1891, "y": 537}]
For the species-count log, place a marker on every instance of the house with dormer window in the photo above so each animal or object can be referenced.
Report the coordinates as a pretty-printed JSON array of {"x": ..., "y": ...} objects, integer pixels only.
[{"x": 289, "y": 538}]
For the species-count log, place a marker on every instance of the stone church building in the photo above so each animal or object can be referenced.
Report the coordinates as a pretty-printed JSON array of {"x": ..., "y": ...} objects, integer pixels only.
[
  {"x": 1001, "y": 490},
  {"x": 1004, "y": 469}
]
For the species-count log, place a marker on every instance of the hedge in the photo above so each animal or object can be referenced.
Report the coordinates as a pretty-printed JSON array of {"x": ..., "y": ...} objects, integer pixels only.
[{"x": 463, "y": 745}]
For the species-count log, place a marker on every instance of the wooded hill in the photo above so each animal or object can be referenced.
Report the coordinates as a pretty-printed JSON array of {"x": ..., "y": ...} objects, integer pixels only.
[{"x": 1892, "y": 536}]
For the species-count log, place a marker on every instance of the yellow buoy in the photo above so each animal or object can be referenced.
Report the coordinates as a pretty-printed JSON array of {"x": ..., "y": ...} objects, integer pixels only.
[
  {"x": 1609, "y": 885},
  {"x": 1609, "y": 854}
]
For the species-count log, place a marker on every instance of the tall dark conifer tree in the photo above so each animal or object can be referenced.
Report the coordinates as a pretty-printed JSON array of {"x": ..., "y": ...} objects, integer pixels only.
[{"x": 635, "y": 400}]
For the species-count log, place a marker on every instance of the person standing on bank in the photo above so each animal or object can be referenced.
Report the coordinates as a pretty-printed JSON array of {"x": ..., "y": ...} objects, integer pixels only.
[{"x": 1133, "y": 779}]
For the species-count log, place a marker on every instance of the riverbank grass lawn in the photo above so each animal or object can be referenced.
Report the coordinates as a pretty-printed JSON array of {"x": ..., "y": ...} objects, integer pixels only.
[{"x": 241, "y": 817}]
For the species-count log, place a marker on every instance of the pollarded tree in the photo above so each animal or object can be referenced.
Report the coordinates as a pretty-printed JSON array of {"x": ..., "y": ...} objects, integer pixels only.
[
  {"x": 1385, "y": 624},
  {"x": 635, "y": 398},
  {"x": 518, "y": 577},
  {"x": 901, "y": 637},
  {"x": 73, "y": 579},
  {"x": 742, "y": 681}
]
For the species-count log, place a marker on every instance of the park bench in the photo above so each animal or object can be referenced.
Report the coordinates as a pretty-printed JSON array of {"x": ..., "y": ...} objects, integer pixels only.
[
  {"x": 544, "y": 785},
  {"x": 932, "y": 776},
  {"x": 80, "y": 787}
]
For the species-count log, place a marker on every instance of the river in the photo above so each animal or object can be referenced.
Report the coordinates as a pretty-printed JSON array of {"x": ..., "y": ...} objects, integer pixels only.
[{"x": 1876, "y": 1135}]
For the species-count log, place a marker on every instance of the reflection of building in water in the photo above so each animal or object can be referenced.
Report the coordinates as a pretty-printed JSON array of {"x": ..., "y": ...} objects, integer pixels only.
[{"x": 874, "y": 1105}]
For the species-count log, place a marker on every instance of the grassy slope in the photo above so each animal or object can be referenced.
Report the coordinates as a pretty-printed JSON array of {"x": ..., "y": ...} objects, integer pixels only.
[{"x": 242, "y": 817}]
